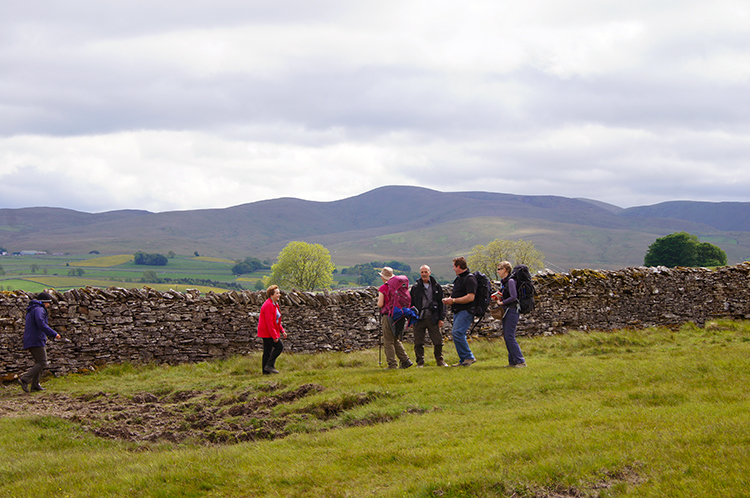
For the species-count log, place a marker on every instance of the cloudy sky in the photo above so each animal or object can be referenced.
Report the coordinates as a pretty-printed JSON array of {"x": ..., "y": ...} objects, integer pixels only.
[{"x": 165, "y": 105}]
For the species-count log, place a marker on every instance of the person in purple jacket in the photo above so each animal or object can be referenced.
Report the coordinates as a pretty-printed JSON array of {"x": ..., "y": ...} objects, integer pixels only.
[
  {"x": 35, "y": 339},
  {"x": 508, "y": 298}
]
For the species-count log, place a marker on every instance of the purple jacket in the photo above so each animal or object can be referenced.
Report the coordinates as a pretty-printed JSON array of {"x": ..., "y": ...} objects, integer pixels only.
[{"x": 37, "y": 330}]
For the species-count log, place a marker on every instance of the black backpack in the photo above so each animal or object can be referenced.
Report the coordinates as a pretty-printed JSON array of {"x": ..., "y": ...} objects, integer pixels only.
[
  {"x": 482, "y": 296},
  {"x": 524, "y": 288}
]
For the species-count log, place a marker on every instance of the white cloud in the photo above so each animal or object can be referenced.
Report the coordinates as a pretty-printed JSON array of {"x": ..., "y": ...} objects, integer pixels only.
[{"x": 211, "y": 104}]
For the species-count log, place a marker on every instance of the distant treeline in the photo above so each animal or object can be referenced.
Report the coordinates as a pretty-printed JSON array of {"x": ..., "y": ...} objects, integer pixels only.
[
  {"x": 150, "y": 277},
  {"x": 368, "y": 274}
]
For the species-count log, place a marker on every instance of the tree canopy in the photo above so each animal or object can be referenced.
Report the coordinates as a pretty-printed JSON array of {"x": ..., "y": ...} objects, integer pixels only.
[
  {"x": 141, "y": 258},
  {"x": 485, "y": 258},
  {"x": 683, "y": 249},
  {"x": 303, "y": 266},
  {"x": 249, "y": 265}
]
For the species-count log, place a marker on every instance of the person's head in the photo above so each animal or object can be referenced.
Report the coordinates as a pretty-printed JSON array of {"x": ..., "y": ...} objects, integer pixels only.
[
  {"x": 44, "y": 298},
  {"x": 425, "y": 272},
  {"x": 503, "y": 269},
  {"x": 386, "y": 273},
  {"x": 273, "y": 293},
  {"x": 459, "y": 265}
]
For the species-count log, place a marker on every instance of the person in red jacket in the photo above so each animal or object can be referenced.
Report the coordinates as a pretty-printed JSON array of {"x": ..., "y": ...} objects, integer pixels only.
[
  {"x": 35, "y": 339},
  {"x": 270, "y": 330}
]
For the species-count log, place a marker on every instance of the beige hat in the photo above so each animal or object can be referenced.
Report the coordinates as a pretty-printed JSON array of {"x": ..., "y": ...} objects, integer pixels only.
[{"x": 387, "y": 272}]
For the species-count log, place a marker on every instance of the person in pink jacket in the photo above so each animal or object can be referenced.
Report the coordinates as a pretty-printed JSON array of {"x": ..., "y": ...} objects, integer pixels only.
[{"x": 270, "y": 330}]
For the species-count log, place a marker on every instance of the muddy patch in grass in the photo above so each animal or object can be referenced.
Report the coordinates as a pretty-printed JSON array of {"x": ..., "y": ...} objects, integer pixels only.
[{"x": 194, "y": 417}]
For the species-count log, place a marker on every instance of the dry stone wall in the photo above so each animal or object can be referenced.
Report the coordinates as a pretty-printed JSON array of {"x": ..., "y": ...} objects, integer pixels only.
[{"x": 143, "y": 325}]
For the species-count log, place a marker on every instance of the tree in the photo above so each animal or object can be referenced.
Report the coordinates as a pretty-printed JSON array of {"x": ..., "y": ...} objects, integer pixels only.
[
  {"x": 150, "y": 277},
  {"x": 711, "y": 255},
  {"x": 2, "y": 272},
  {"x": 304, "y": 266},
  {"x": 249, "y": 265},
  {"x": 141, "y": 258},
  {"x": 171, "y": 254},
  {"x": 76, "y": 272},
  {"x": 485, "y": 258},
  {"x": 683, "y": 249},
  {"x": 34, "y": 268}
]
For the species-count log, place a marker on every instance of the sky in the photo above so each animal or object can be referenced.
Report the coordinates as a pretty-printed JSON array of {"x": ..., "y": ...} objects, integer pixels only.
[{"x": 168, "y": 105}]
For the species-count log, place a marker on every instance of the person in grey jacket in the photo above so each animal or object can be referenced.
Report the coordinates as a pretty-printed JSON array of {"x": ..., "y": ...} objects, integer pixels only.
[
  {"x": 427, "y": 297},
  {"x": 35, "y": 336}
]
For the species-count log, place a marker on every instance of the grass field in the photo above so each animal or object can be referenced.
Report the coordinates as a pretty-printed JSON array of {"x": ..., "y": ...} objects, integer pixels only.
[
  {"x": 35, "y": 273},
  {"x": 650, "y": 413}
]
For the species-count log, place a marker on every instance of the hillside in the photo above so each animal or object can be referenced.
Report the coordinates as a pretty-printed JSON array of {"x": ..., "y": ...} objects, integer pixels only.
[{"x": 411, "y": 224}]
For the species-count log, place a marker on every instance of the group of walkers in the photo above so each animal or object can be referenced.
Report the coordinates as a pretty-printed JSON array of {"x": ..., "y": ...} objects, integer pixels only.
[
  {"x": 428, "y": 304},
  {"x": 431, "y": 308}
]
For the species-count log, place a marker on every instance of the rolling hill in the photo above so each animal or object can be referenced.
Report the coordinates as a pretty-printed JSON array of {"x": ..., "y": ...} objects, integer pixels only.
[{"x": 411, "y": 224}]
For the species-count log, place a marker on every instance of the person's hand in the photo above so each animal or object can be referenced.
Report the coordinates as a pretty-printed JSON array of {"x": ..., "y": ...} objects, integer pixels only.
[
  {"x": 57, "y": 337},
  {"x": 284, "y": 334},
  {"x": 440, "y": 324}
]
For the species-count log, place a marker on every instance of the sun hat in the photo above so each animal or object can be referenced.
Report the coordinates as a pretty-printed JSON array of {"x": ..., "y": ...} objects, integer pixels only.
[{"x": 387, "y": 272}]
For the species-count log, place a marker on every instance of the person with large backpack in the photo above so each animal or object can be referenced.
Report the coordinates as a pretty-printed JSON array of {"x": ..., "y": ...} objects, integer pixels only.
[
  {"x": 508, "y": 298},
  {"x": 393, "y": 297},
  {"x": 462, "y": 306}
]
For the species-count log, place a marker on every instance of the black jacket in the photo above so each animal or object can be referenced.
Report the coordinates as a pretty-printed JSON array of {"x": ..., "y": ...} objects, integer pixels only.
[{"x": 417, "y": 292}]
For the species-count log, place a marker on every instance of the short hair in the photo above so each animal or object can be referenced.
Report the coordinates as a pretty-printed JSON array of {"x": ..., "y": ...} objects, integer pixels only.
[
  {"x": 505, "y": 264},
  {"x": 271, "y": 290},
  {"x": 460, "y": 262},
  {"x": 425, "y": 266}
]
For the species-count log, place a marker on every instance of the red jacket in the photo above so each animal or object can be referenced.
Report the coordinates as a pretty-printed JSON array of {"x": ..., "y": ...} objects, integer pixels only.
[{"x": 269, "y": 323}]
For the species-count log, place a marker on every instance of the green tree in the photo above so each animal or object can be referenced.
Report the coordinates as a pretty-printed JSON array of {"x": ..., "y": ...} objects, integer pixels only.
[
  {"x": 2, "y": 272},
  {"x": 34, "y": 268},
  {"x": 150, "y": 277},
  {"x": 303, "y": 266},
  {"x": 485, "y": 258},
  {"x": 141, "y": 258},
  {"x": 676, "y": 249},
  {"x": 711, "y": 255},
  {"x": 171, "y": 254},
  {"x": 249, "y": 265},
  {"x": 683, "y": 249}
]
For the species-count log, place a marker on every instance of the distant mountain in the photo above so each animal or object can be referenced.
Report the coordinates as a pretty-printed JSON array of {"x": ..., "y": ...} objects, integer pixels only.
[
  {"x": 727, "y": 216},
  {"x": 410, "y": 224}
]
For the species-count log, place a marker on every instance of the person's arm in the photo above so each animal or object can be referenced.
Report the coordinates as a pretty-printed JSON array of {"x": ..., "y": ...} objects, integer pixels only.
[
  {"x": 40, "y": 317},
  {"x": 381, "y": 299},
  {"x": 513, "y": 293}
]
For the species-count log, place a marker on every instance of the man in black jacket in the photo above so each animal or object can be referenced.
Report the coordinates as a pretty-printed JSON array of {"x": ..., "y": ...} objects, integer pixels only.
[{"x": 427, "y": 297}]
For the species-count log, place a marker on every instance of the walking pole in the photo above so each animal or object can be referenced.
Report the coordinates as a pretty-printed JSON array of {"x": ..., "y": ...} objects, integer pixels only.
[{"x": 380, "y": 339}]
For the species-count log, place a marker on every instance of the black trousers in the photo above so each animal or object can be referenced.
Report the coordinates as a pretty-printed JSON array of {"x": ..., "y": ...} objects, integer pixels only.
[{"x": 271, "y": 351}]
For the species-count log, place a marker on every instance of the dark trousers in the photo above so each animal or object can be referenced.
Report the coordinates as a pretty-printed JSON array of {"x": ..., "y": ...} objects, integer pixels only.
[
  {"x": 510, "y": 322},
  {"x": 435, "y": 336},
  {"x": 271, "y": 351},
  {"x": 31, "y": 377}
]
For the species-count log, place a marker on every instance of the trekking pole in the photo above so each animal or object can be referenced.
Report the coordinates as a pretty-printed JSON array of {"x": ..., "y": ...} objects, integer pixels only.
[{"x": 380, "y": 340}]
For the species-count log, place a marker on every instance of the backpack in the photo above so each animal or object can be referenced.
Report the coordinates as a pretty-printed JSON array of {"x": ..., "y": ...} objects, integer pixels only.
[
  {"x": 398, "y": 293},
  {"x": 524, "y": 288},
  {"x": 482, "y": 297}
]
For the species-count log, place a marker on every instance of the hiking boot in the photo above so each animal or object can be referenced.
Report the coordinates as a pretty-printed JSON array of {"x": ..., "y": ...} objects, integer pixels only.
[
  {"x": 406, "y": 364},
  {"x": 441, "y": 363},
  {"x": 519, "y": 365},
  {"x": 420, "y": 365},
  {"x": 37, "y": 388},
  {"x": 270, "y": 370},
  {"x": 24, "y": 385},
  {"x": 468, "y": 362}
]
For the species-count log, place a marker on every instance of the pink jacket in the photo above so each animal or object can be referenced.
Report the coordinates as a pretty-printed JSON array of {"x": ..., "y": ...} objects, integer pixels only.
[{"x": 269, "y": 323}]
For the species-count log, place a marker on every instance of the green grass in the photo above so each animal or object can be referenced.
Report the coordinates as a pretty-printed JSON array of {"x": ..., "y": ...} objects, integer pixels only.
[
  {"x": 102, "y": 271},
  {"x": 628, "y": 413}
]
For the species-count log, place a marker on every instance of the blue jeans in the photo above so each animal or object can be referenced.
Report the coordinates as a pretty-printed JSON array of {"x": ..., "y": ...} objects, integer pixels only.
[
  {"x": 461, "y": 323},
  {"x": 510, "y": 321}
]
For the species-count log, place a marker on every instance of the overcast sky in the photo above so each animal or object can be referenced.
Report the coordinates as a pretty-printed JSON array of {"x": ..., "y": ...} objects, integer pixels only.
[{"x": 166, "y": 105}]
